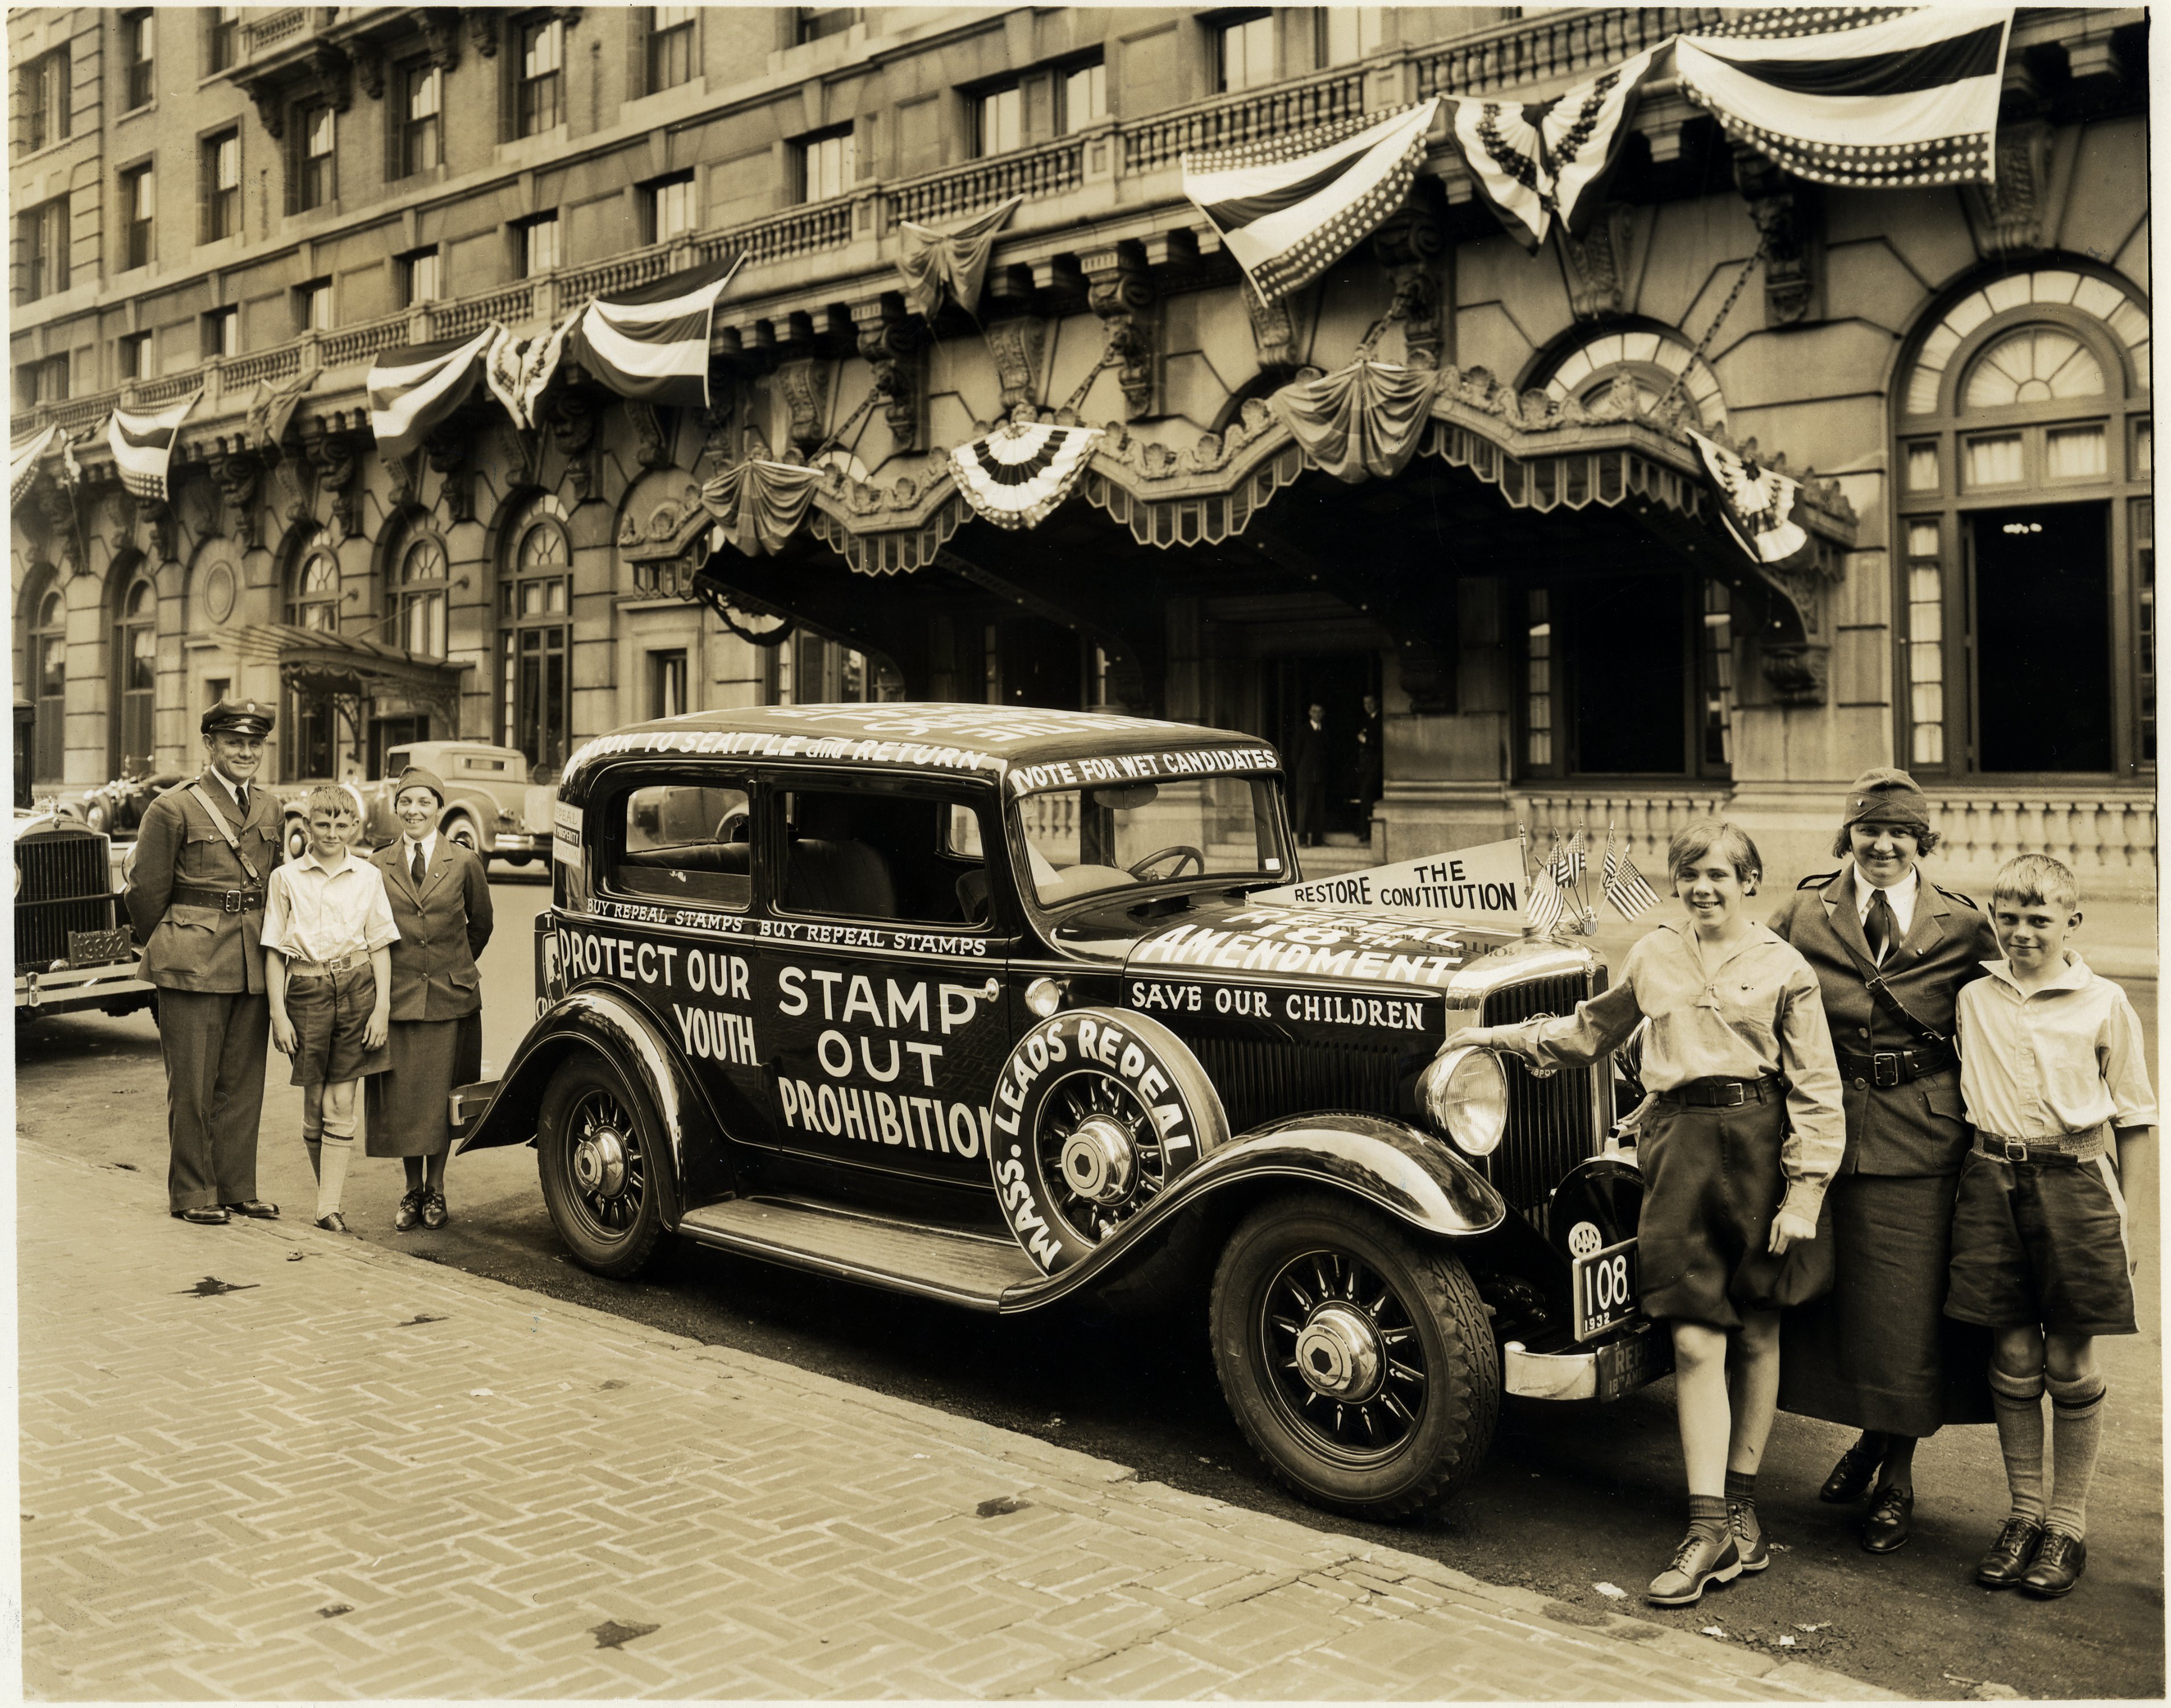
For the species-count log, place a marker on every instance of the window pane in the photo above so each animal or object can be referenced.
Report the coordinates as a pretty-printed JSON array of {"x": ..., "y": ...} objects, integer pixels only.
[
  {"x": 1002, "y": 120},
  {"x": 2033, "y": 365},
  {"x": 1922, "y": 468},
  {"x": 1994, "y": 462},
  {"x": 1085, "y": 95},
  {"x": 2076, "y": 454}
]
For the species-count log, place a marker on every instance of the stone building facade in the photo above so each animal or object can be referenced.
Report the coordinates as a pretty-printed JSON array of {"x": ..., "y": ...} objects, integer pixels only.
[{"x": 252, "y": 202}]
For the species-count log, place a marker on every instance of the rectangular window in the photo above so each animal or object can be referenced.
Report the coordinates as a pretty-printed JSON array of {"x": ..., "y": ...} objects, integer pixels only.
[
  {"x": 2143, "y": 461},
  {"x": 688, "y": 840},
  {"x": 1346, "y": 33},
  {"x": 45, "y": 92},
  {"x": 539, "y": 103},
  {"x": 1082, "y": 95},
  {"x": 42, "y": 233},
  {"x": 312, "y": 306},
  {"x": 1538, "y": 687},
  {"x": 2076, "y": 454},
  {"x": 137, "y": 204},
  {"x": 222, "y": 36},
  {"x": 138, "y": 41},
  {"x": 537, "y": 692},
  {"x": 1994, "y": 461},
  {"x": 812, "y": 23},
  {"x": 1923, "y": 467},
  {"x": 667, "y": 683},
  {"x": 1926, "y": 643},
  {"x": 670, "y": 46},
  {"x": 421, "y": 88},
  {"x": 136, "y": 356},
  {"x": 1243, "y": 52},
  {"x": 670, "y": 207},
  {"x": 2142, "y": 518},
  {"x": 420, "y": 281},
  {"x": 539, "y": 253},
  {"x": 42, "y": 382},
  {"x": 1718, "y": 732},
  {"x": 218, "y": 176},
  {"x": 999, "y": 121},
  {"x": 222, "y": 333},
  {"x": 316, "y": 136},
  {"x": 826, "y": 165}
]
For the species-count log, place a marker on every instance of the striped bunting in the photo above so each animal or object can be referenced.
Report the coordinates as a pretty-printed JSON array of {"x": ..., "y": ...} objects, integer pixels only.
[
  {"x": 143, "y": 447},
  {"x": 23, "y": 461},
  {"x": 1874, "y": 97},
  {"x": 1623, "y": 885},
  {"x": 1287, "y": 218},
  {"x": 653, "y": 343},
  {"x": 1021, "y": 470},
  {"x": 416, "y": 386},
  {"x": 1757, "y": 504}
]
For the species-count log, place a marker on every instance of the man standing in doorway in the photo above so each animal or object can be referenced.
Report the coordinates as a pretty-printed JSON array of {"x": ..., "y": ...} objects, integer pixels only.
[
  {"x": 1371, "y": 765},
  {"x": 196, "y": 898},
  {"x": 1308, "y": 778}
]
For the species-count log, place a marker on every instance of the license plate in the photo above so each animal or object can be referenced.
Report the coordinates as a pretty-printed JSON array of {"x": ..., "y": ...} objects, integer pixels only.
[
  {"x": 94, "y": 949},
  {"x": 1603, "y": 1289}
]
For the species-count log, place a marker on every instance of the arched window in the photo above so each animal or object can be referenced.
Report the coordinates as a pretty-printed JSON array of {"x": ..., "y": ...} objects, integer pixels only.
[
  {"x": 1660, "y": 363},
  {"x": 135, "y": 678},
  {"x": 46, "y": 664},
  {"x": 534, "y": 611},
  {"x": 2025, "y": 567},
  {"x": 313, "y": 593},
  {"x": 423, "y": 590},
  {"x": 311, "y": 721}
]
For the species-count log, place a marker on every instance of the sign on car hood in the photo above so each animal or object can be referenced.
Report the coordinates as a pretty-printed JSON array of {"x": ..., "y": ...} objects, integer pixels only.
[{"x": 1295, "y": 942}]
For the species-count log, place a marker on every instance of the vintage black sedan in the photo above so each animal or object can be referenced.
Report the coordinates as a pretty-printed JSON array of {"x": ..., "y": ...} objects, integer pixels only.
[{"x": 977, "y": 1003}]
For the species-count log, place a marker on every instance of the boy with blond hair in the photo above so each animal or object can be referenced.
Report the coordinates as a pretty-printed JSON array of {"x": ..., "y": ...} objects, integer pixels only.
[{"x": 2053, "y": 1073}]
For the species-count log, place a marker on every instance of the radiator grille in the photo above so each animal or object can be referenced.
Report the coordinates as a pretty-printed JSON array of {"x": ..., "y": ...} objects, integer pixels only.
[
  {"x": 1550, "y": 1126},
  {"x": 67, "y": 886},
  {"x": 1260, "y": 1082}
]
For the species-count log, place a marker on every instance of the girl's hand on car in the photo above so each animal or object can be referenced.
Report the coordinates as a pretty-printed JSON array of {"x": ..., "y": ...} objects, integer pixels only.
[{"x": 1789, "y": 1226}]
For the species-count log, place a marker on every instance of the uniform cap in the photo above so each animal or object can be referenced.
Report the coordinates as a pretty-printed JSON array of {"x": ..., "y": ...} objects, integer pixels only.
[
  {"x": 417, "y": 777},
  {"x": 239, "y": 717},
  {"x": 1887, "y": 796}
]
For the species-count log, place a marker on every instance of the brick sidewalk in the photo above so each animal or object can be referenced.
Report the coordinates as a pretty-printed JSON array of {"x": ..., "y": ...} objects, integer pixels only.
[{"x": 360, "y": 1474}]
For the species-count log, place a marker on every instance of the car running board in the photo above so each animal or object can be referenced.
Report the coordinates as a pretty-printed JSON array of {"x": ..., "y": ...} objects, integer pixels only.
[{"x": 957, "y": 1267}]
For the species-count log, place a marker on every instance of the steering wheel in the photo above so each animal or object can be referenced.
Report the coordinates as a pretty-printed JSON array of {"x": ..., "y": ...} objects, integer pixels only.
[{"x": 1180, "y": 852}]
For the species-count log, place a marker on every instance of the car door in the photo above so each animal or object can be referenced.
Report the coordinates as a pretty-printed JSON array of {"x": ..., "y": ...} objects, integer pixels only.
[{"x": 881, "y": 972}]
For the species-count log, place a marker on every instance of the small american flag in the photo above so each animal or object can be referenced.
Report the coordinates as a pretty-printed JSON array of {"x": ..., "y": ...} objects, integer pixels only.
[
  {"x": 1541, "y": 911},
  {"x": 1623, "y": 885},
  {"x": 1567, "y": 861}
]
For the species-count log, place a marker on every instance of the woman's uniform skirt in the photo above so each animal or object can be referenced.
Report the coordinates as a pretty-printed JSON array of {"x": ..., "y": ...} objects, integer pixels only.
[
  {"x": 410, "y": 1108},
  {"x": 1878, "y": 1352}
]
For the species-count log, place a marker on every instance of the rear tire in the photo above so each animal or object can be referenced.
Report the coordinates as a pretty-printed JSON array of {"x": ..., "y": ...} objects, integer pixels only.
[
  {"x": 1356, "y": 1357},
  {"x": 460, "y": 829},
  {"x": 596, "y": 1142},
  {"x": 296, "y": 838}
]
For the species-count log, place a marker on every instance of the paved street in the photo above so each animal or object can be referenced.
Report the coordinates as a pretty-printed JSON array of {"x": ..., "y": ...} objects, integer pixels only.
[{"x": 1575, "y": 1498}]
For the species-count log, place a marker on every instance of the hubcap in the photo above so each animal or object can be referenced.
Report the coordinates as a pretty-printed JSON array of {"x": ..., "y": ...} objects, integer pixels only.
[
  {"x": 1100, "y": 1160},
  {"x": 1339, "y": 1354},
  {"x": 599, "y": 1162}
]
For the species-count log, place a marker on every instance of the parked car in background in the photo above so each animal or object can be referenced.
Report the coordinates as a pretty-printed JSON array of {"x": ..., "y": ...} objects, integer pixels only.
[
  {"x": 116, "y": 808},
  {"x": 975, "y": 1003},
  {"x": 492, "y": 806}
]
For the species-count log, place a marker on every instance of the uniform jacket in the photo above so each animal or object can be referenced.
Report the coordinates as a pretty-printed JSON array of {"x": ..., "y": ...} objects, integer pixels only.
[
  {"x": 188, "y": 946},
  {"x": 1918, "y": 1128},
  {"x": 442, "y": 928}
]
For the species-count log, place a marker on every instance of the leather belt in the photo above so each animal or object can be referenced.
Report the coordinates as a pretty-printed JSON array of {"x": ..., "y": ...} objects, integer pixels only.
[
  {"x": 225, "y": 900},
  {"x": 1886, "y": 1068},
  {"x": 2020, "y": 1151},
  {"x": 1726, "y": 1093},
  {"x": 309, "y": 968}
]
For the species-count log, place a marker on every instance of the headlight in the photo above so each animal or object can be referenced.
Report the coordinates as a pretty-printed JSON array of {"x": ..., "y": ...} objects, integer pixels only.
[
  {"x": 1466, "y": 1095},
  {"x": 1043, "y": 996}
]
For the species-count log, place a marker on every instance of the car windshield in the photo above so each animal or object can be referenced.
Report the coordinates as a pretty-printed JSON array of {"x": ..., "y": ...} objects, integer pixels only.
[{"x": 1084, "y": 840}]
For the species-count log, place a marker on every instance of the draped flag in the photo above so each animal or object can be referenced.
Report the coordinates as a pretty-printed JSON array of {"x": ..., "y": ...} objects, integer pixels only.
[
  {"x": 1757, "y": 504},
  {"x": 1364, "y": 419},
  {"x": 23, "y": 461},
  {"x": 538, "y": 359},
  {"x": 1021, "y": 471},
  {"x": 1286, "y": 217},
  {"x": 761, "y": 502},
  {"x": 414, "y": 386},
  {"x": 653, "y": 343},
  {"x": 1858, "y": 95},
  {"x": 501, "y": 364},
  {"x": 933, "y": 261},
  {"x": 1568, "y": 860},
  {"x": 1623, "y": 885},
  {"x": 143, "y": 446},
  {"x": 274, "y": 405},
  {"x": 1545, "y": 163}
]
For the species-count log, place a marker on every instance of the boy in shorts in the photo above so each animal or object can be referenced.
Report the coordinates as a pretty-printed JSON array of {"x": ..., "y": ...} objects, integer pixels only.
[
  {"x": 327, "y": 937},
  {"x": 2053, "y": 1073}
]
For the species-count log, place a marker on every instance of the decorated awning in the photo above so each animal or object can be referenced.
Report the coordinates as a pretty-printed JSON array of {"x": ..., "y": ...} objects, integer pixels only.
[
  {"x": 761, "y": 503},
  {"x": 320, "y": 662}
]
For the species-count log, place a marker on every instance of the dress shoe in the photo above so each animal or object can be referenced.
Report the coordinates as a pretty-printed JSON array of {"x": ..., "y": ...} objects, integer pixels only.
[
  {"x": 2059, "y": 1564},
  {"x": 1699, "y": 1562},
  {"x": 410, "y": 1211},
  {"x": 333, "y": 1223},
  {"x": 1888, "y": 1527},
  {"x": 204, "y": 1215},
  {"x": 2010, "y": 1555},
  {"x": 255, "y": 1207},
  {"x": 434, "y": 1215},
  {"x": 1748, "y": 1532},
  {"x": 1850, "y": 1477}
]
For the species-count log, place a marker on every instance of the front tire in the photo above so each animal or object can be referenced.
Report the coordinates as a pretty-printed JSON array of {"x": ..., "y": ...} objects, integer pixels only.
[
  {"x": 296, "y": 838},
  {"x": 460, "y": 829},
  {"x": 596, "y": 1140},
  {"x": 1356, "y": 1357}
]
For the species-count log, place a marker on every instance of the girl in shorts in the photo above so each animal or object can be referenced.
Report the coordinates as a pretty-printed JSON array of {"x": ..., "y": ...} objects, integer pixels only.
[{"x": 1739, "y": 1134}]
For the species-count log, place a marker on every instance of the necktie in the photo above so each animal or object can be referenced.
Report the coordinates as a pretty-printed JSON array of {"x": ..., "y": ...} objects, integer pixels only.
[
  {"x": 241, "y": 798},
  {"x": 1881, "y": 928},
  {"x": 418, "y": 868}
]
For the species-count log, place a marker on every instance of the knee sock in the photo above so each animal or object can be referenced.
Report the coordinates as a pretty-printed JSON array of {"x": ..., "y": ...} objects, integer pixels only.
[
  {"x": 1707, "y": 1516},
  {"x": 2075, "y": 1432},
  {"x": 339, "y": 1147},
  {"x": 1742, "y": 1498},
  {"x": 2019, "y": 1400}
]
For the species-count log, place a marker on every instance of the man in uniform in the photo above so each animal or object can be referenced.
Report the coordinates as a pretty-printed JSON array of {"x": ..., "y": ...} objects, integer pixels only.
[{"x": 196, "y": 898}]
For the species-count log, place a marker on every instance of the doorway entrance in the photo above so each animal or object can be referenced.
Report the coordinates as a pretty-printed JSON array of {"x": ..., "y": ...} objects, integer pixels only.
[
  {"x": 1347, "y": 785},
  {"x": 2040, "y": 616}
]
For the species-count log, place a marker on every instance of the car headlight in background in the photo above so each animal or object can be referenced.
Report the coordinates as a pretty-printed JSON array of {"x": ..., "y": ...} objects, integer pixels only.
[{"x": 1466, "y": 1094}]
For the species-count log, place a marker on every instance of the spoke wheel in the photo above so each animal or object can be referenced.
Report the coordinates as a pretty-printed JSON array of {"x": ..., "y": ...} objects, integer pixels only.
[
  {"x": 1099, "y": 1153},
  {"x": 594, "y": 1155},
  {"x": 1356, "y": 1354}
]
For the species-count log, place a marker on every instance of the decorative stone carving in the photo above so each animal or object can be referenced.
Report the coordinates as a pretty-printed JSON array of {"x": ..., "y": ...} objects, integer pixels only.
[
  {"x": 1595, "y": 266},
  {"x": 335, "y": 453},
  {"x": 446, "y": 448},
  {"x": 164, "y": 527},
  {"x": 715, "y": 436},
  {"x": 401, "y": 482},
  {"x": 335, "y": 74},
  {"x": 1274, "y": 332},
  {"x": 573, "y": 430},
  {"x": 1015, "y": 345},
  {"x": 441, "y": 31},
  {"x": 1409, "y": 244},
  {"x": 270, "y": 103},
  {"x": 54, "y": 506},
  {"x": 1796, "y": 670},
  {"x": 369, "y": 72},
  {"x": 482, "y": 29},
  {"x": 1119, "y": 289},
  {"x": 805, "y": 384},
  {"x": 2009, "y": 213},
  {"x": 651, "y": 442},
  {"x": 521, "y": 449},
  {"x": 1785, "y": 208},
  {"x": 892, "y": 346},
  {"x": 234, "y": 474}
]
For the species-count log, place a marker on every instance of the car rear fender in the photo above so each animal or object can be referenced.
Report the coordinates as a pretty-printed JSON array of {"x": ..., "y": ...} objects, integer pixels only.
[{"x": 598, "y": 1020}]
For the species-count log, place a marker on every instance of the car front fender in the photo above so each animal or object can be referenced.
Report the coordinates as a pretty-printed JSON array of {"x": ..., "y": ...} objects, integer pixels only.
[{"x": 596, "y": 1019}]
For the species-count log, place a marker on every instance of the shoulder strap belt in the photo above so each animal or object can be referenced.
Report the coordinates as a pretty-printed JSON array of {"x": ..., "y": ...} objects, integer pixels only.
[
  {"x": 225, "y": 830},
  {"x": 1873, "y": 981}
]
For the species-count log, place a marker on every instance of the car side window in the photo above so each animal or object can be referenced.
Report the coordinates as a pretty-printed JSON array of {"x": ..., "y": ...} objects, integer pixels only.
[
  {"x": 685, "y": 841},
  {"x": 882, "y": 855}
]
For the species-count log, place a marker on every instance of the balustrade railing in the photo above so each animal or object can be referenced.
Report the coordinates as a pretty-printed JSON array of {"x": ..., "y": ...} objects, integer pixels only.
[
  {"x": 1643, "y": 823},
  {"x": 802, "y": 231},
  {"x": 1554, "y": 45},
  {"x": 464, "y": 320},
  {"x": 342, "y": 349},
  {"x": 1052, "y": 170},
  {"x": 260, "y": 33},
  {"x": 641, "y": 267},
  {"x": 2108, "y": 839},
  {"x": 1162, "y": 141},
  {"x": 78, "y": 413},
  {"x": 263, "y": 364}
]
